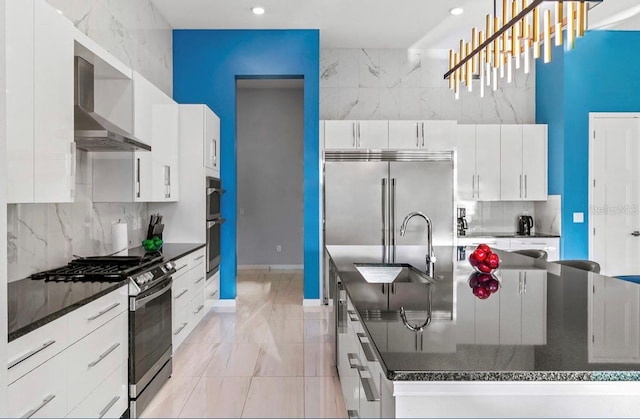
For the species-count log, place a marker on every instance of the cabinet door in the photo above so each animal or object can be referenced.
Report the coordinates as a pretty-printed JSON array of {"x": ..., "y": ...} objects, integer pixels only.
[
  {"x": 534, "y": 307},
  {"x": 488, "y": 162},
  {"x": 510, "y": 307},
  {"x": 534, "y": 167},
  {"x": 465, "y": 146},
  {"x": 143, "y": 175},
  {"x": 487, "y": 313},
  {"x": 511, "y": 178},
  {"x": 19, "y": 68},
  {"x": 438, "y": 135},
  {"x": 211, "y": 140},
  {"x": 373, "y": 135},
  {"x": 165, "y": 151},
  {"x": 54, "y": 144},
  {"x": 404, "y": 135},
  {"x": 340, "y": 134}
]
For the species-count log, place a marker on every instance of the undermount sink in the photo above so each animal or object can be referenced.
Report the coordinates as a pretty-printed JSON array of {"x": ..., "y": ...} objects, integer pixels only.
[{"x": 387, "y": 273}]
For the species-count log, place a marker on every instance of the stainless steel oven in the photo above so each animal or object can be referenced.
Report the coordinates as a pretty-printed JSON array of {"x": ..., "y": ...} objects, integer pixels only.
[
  {"x": 150, "y": 347},
  {"x": 214, "y": 197},
  {"x": 213, "y": 245}
]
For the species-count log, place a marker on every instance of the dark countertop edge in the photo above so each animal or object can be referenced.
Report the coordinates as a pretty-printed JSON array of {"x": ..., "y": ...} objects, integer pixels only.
[
  {"x": 596, "y": 376},
  {"x": 54, "y": 316},
  {"x": 509, "y": 236}
]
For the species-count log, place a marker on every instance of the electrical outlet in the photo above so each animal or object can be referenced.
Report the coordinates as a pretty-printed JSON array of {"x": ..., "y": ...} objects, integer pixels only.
[
  {"x": 139, "y": 222},
  {"x": 278, "y": 248},
  {"x": 135, "y": 224}
]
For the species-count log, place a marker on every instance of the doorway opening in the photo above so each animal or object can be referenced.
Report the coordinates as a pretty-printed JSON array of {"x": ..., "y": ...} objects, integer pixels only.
[{"x": 270, "y": 164}]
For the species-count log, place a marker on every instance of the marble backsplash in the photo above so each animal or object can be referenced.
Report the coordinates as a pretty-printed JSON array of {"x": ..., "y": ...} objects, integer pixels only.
[
  {"x": 549, "y": 215},
  {"x": 498, "y": 216},
  {"x": 408, "y": 84},
  {"x": 132, "y": 30}
]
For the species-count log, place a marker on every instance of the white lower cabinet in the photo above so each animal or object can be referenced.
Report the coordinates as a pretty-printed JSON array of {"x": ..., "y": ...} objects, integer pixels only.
[
  {"x": 212, "y": 289},
  {"x": 42, "y": 393},
  {"x": 551, "y": 245},
  {"x": 109, "y": 400}
]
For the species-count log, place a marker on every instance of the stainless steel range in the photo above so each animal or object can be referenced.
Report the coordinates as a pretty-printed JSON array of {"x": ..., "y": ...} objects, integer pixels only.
[{"x": 150, "y": 279}]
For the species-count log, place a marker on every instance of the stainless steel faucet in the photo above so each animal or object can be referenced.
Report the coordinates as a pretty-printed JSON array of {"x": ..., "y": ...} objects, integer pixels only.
[{"x": 431, "y": 258}]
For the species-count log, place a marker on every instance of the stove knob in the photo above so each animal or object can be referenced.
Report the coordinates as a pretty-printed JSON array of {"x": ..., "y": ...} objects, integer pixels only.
[{"x": 169, "y": 266}]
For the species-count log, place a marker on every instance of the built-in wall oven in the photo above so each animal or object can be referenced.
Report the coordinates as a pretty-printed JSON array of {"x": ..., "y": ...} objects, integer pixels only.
[{"x": 214, "y": 223}]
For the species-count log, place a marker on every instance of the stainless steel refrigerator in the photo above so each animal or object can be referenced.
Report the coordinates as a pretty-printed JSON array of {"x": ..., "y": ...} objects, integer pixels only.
[{"x": 368, "y": 194}]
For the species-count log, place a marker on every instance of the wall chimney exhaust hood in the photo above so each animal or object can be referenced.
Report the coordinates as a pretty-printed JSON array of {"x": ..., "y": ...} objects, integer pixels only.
[{"x": 92, "y": 131}]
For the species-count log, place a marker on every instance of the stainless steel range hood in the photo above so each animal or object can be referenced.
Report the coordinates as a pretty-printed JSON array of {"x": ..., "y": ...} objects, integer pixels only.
[{"x": 92, "y": 131}]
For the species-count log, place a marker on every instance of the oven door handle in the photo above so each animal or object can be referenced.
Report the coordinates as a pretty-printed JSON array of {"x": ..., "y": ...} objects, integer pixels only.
[
  {"x": 219, "y": 191},
  {"x": 214, "y": 222},
  {"x": 152, "y": 297}
]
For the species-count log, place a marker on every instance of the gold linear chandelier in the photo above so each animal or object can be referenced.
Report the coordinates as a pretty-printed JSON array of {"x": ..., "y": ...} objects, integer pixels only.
[{"x": 492, "y": 53}]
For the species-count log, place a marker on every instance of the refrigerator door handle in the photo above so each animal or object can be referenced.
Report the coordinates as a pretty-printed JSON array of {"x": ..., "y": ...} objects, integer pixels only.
[
  {"x": 384, "y": 215},
  {"x": 392, "y": 216}
]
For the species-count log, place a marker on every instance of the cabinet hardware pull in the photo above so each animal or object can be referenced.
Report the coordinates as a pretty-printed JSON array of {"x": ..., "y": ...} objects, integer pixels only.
[
  {"x": 526, "y": 192},
  {"x": 636, "y": 234},
  {"x": 359, "y": 138},
  {"x": 352, "y": 315},
  {"x": 520, "y": 186},
  {"x": 199, "y": 258},
  {"x": 198, "y": 310},
  {"x": 215, "y": 152},
  {"x": 473, "y": 186},
  {"x": 366, "y": 348},
  {"x": 104, "y": 355},
  {"x": 423, "y": 134},
  {"x": 216, "y": 190},
  {"x": 368, "y": 386},
  {"x": 30, "y": 354},
  {"x": 524, "y": 284},
  {"x": 352, "y": 358},
  {"x": 213, "y": 293},
  {"x": 198, "y": 281},
  {"x": 353, "y": 414},
  {"x": 138, "y": 178},
  {"x": 108, "y": 406},
  {"x": 177, "y": 332},
  {"x": 182, "y": 267},
  {"x": 478, "y": 194},
  {"x": 40, "y": 406},
  {"x": 104, "y": 311},
  {"x": 354, "y": 133},
  {"x": 181, "y": 294}
]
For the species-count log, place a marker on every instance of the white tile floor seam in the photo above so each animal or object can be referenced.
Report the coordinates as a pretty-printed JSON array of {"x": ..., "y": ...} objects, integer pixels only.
[{"x": 271, "y": 358}]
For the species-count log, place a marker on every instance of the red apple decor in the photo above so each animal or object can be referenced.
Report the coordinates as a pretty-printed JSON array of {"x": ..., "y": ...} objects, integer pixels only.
[
  {"x": 483, "y": 285},
  {"x": 484, "y": 260}
]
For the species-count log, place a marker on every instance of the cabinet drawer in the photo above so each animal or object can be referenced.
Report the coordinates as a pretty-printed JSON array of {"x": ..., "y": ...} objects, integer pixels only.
[
  {"x": 212, "y": 287},
  {"x": 182, "y": 266},
  {"x": 180, "y": 326},
  {"x": 42, "y": 393},
  {"x": 89, "y": 317},
  {"x": 95, "y": 357},
  {"x": 196, "y": 258},
  {"x": 180, "y": 292},
  {"x": 196, "y": 310},
  {"x": 109, "y": 400},
  {"x": 33, "y": 349},
  {"x": 197, "y": 278}
]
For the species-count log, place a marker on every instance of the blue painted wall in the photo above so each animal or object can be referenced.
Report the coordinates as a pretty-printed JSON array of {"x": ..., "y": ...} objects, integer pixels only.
[
  {"x": 207, "y": 64},
  {"x": 600, "y": 75}
]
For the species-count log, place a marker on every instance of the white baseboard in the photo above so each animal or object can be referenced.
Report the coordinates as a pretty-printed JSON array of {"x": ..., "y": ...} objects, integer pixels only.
[
  {"x": 224, "y": 305},
  {"x": 308, "y": 302},
  {"x": 270, "y": 267}
]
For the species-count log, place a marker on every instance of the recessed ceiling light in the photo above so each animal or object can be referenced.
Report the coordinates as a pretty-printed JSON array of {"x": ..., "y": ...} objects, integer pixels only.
[
  {"x": 258, "y": 10},
  {"x": 456, "y": 11}
]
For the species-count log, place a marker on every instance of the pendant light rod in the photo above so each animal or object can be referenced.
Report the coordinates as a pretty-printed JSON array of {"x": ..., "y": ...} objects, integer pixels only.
[{"x": 505, "y": 27}]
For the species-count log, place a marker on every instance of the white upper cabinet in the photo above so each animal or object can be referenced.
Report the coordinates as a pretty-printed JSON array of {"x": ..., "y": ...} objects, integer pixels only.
[
  {"x": 211, "y": 140},
  {"x": 478, "y": 162},
  {"x": 465, "y": 146},
  {"x": 405, "y": 135},
  {"x": 524, "y": 162},
  {"x": 422, "y": 135},
  {"x": 372, "y": 135},
  {"x": 40, "y": 145}
]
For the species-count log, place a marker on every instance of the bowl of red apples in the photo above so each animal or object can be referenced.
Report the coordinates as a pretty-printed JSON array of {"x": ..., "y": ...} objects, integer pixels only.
[
  {"x": 483, "y": 285},
  {"x": 484, "y": 260}
]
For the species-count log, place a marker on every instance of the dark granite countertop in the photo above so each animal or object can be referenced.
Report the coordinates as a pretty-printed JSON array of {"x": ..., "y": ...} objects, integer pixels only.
[
  {"x": 473, "y": 235},
  {"x": 535, "y": 328},
  {"x": 36, "y": 302},
  {"x": 171, "y": 251}
]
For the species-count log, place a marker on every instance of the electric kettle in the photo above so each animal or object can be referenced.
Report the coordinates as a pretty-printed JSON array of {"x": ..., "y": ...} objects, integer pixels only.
[{"x": 525, "y": 224}]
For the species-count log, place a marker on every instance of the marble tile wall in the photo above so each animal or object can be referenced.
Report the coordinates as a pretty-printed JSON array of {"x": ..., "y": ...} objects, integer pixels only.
[
  {"x": 549, "y": 215},
  {"x": 496, "y": 217},
  {"x": 132, "y": 30},
  {"x": 408, "y": 84},
  {"x": 45, "y": 236}
]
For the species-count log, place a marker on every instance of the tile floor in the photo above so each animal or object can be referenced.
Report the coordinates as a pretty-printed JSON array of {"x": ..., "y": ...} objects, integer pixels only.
[{"x": 271, "y": 358}]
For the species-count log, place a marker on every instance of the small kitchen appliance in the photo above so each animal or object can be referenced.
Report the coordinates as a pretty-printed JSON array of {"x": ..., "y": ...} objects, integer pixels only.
[
  {"x": 463, "y": 226},
  {"x": 525, "y": 225}
]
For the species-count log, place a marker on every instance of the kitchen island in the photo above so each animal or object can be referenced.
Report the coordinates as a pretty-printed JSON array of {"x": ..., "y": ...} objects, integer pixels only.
[{"x": 551, "y": 342}]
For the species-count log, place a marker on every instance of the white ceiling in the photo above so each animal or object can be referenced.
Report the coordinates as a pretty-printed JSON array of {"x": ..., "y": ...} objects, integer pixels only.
[{"x": 367, "y": 23}]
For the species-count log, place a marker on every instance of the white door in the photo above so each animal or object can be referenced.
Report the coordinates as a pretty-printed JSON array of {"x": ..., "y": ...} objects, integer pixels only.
[
  {"x": 511, "y": 178},
  {"x": 510, "y": 306},
  {"x": 614, "y": 320},
  {"x": 488, "y": 162},
  {"x": 534, "y": 162},
  {"x": 534, "y": 307},
  {"x": 404, "y": 135},
  {"x": 615, "y": 183},
  {"x": 438, "y": 135},
  {"x": 339, "y": 134},
  {"x": 465, "y": 147},
  {"x": 373, "y": 135}
]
